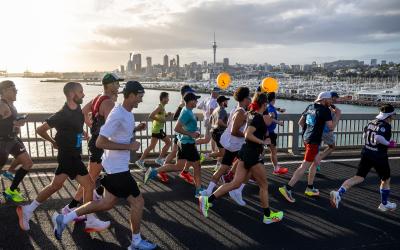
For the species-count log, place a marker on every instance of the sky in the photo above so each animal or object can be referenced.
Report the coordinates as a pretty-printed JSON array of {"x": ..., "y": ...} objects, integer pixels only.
[{"x": 89, "y": 35}]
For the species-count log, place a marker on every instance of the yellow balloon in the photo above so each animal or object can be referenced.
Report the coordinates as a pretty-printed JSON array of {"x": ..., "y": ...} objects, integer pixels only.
[
  {"x": 223, "y": 80},
  {"x": 269, "y": 84}
]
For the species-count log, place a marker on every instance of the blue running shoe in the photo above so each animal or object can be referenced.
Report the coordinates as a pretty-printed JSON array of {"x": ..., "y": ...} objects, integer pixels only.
[
  {"x": 143, "y": 245},
  {"x": 59, "y": 226},
  {"x": 8, "y": 175},
  {"x": 151, "y": 173}
]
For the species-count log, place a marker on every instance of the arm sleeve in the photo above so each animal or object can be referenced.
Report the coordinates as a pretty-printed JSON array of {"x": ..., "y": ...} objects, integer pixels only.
[
  {"x": 55, "y": 120},
  {"x": 112, "y": 123},
  {"x": 381, "y": 140},
  {"x": 183, "y": 118}
]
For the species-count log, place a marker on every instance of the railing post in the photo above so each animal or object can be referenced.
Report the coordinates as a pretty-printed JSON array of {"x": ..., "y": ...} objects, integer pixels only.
[{"x": 295, "y": 137}]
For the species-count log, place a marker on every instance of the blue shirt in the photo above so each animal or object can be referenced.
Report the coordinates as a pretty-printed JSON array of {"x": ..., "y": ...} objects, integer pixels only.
[
  {"x": 271, "y": 109},
  {"x": 189, "y": 123}
]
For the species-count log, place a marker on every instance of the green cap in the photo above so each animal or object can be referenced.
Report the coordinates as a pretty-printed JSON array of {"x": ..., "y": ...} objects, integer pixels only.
[{"x": 110, "y": 78}]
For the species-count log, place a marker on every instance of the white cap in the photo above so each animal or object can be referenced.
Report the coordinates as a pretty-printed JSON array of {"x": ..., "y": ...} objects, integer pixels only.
[
  {"x": 383, "y": 116},
  {"x": 324, "y": 95}
]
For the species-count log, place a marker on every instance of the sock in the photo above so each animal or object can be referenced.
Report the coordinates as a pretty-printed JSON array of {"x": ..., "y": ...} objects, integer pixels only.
[
  {"x": 136, "y": 239},
  {"x": 211, "y": 198},
  {"x": 267, "y": 211},
  {"x": 74, "y": 203},
  {"x": 341, "y": 191},
  {"x": 310, "y": 186},
  {"x": 19, "y": 175},
  {"x": 240, "y": 189},
  {"x": 32, "y": 207},
  {"x": 70, "y": 217},
  {"x": 384, "y": 195},
  {"x": 211, "y": 187},
  {"x": 288, "y": 187},
  {"x": 100, "y": 190}
]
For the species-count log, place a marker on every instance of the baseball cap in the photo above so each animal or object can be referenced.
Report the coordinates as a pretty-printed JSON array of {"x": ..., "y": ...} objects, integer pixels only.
[
  {"x": 132, "y": 87},
  {"x": 185, "y": 89},
  {"x": 216, "y": 89},
  {"x": 6, "y": 84},
  {"x": 110, "y": 78},
  {"x": 259, "y": 89},
  {"x": 386, "y": 111},
  {"x": 190, "y": 96},
  {"x": 222, "y": 98},
  {"x": 323, "y": 95},
  {"x": 334, "y": 94}
]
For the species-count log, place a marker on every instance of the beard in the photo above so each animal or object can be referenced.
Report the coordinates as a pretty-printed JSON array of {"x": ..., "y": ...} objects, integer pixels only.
[
  {"x": 78, "y": 101},
  {"x": 225, "y": 105}
]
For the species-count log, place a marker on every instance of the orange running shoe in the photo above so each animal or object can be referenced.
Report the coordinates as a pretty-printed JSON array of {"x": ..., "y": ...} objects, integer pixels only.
[{"x": 186, "y": 176}]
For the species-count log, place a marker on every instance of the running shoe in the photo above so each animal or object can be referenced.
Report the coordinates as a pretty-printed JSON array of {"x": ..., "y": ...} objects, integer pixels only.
[
  {"x": 159, "y": 161},
  {"x": 15, "y": 195},
  {"x": 23, "y": 218},
  {"x": 96, "y": 225},
  {"x": 391, "y": 206},
  {"x": 143, "y": 245},
  {"x": 273, "y": 217},
  {"x": 198, "y": 192},
  {"x": 140, "y": 164},
  {"x": 335, "y": 199},
  {"x": 204, "y": 157},
  {"x": 163, "y": 177},
  {"x": 151, "y": 173},
  {"x": 8, "y": 175},
  {"x": 204, "y": 205},
  {"x": 236, "y": 195},
  {"x": 318, "y": 169},
  {"x": 280, "y": 171},
  {"x": 66, "y": 210},
  {"x": 311, "y": 192},
  {"x": 186, "y": 176},
  {"x": 205, "y": 193},
  {"x": 287, "y": 194},
  {"x": 59, "y": 225},
  {"x": 252, "y": 181}
]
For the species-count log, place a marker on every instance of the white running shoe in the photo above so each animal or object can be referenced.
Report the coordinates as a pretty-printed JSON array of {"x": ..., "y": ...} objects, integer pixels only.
[
  {"x": 237, "y": 197},
  {"x": 389, "y": 206},
  {"x": 335, "y": 199},
  {"x": 23, "y": 218},
  {"x": 66, "y": 210},
  {"x": 96, "y": 225},
  {"x": 159, "y": 161},
  {"x": 140, "y": 164}
]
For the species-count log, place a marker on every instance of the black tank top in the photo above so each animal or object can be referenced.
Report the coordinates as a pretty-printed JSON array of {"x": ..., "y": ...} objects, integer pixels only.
[{"x": 7, "y": 129}]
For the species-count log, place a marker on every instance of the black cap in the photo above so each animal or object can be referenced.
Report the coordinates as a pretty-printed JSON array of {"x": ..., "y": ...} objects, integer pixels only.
[
  {"x": 132, "y": 87},
  {"x": 185, "y": 89},
  {"x": 334, "y": 94},
  {"x": 216, "y": 89},
  {"x": 110, "y": 78},
  {"x": 259, "y": 89},
  {"x": 190, "y": 96},
  {"x": 222, "y": 98}
]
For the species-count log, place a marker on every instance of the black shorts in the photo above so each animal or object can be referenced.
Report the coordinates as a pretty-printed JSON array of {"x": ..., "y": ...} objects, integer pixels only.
[
  {"x": 381, "y": 165},
  {"x": 160, "y": 135},
  {"x": 250, "y": 156},
  {"x": 216, "y": 135},
  {"x": 188, "y": 152},
  {"x": 95, "y": 152},
  {"x": 13, "y": 147},
  {"x": 229, "y": 157},
  {"x": 175, "y": 139},
  {"x": 71, "y": 164},
  {"x": 120, "y": 184},
  {"x": 273, "y": 137}
]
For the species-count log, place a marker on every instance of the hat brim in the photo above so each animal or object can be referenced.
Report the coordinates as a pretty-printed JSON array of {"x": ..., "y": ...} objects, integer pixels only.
[{"x": 383, "y": 116}]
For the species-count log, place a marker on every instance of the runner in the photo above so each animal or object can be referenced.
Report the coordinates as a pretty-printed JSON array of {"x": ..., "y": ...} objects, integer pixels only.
[
  {"x": 377, "y": 136},
  {"x": 10, "y": 124},
  {"x": 68, "y": 123},
  {"x": 316, "y": 116},
  {"x": 95, "y": 113},
  {"x": 187, "y": 130},
  {"x": 159, "y": 117},
  {"x": 250, "y": 162},
  {"x": 116, "y": 137}
]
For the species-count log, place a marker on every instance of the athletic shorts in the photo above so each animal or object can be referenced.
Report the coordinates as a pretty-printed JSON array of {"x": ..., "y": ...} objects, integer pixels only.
[
  {"x": 188, "y": 152},
  {"x": 329, "y": 138},
  {"x": 217, "y": 137},
  {"x": 71, "y": 164},
  {"x": 381, "y": 165},
  {"x": 311, "y": 151},
  {"x": 175, "y": 139},
  {"x": 229, "y": 157},
  {"x": 120, "y": 185},
  {"x": 273, "y": 137},
  {"x": 161, "y": 135},
  {"x": 13, "y": 147},
  {"x": 250, "y": 155},
  {"x": 95, "y": 152}
]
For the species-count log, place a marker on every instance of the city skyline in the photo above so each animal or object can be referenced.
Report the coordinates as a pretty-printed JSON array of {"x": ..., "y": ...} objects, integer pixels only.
[{"x": 97, "y": 34}]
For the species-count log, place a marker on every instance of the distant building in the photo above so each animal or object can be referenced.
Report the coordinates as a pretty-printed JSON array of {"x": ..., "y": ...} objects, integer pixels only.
[
  {"x": 383, "y": 62},
  {"x": 226, "y": 62},
  {"x": 177, "y": 61},
  {"x": 165, "y": 61},
  {"x": 122, "y": 68},
  {"x": 374, "y": 62},
  {"x": 341, "y": 64},
  {"x": 296, "y": 68},
  {"x": 149, "y": 66},
  {"x": 137, "y": 63}
]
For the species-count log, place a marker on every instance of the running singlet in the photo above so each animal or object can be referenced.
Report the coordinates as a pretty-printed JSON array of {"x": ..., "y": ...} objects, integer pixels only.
[
  {"x": 374, "y": 128},
  {"x": 229, "y": 141},
  {"x": 256, "y": 120},
  {"x": 98, "y": 120},
  {"x": 158, "y": 125},
  {"x": 7, "y": 130}
]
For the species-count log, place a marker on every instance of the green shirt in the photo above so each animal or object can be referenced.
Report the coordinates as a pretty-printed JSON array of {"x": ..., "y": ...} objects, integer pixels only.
[{"x": 157, "y": 125}]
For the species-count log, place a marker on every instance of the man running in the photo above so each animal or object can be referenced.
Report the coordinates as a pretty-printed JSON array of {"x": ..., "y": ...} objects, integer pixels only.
[
  {"x": 377, "y": 136},
  {"x": 68, "y": 123},
  {"x": 317, "y": 116},
  {"x": 10, "y": 124},
  {"x": 116, "y": 137}
]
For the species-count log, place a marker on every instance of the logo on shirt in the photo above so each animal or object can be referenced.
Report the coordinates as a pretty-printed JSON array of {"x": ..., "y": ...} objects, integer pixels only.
[{"x": 383, "y": 129}]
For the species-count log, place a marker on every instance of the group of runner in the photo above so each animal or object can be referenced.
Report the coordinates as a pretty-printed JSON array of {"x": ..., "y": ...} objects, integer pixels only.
[{"x": 239, "y": 140}]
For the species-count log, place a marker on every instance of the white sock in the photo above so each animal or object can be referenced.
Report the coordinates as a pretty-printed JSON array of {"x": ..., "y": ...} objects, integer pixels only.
[
  {"x": 211, "y": 187},
  {"x": 70, "y": 217},
  {"x": 32, "y": 207},
  {"x": 240, "y": 189},
  {"x": 136, "y": 239}
]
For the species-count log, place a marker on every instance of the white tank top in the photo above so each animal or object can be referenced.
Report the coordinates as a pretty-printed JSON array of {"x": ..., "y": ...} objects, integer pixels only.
[{"x": 229, "y": 141}]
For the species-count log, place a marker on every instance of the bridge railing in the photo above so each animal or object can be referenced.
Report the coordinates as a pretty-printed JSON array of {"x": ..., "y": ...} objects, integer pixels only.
[{"x": 348, "y": 134}]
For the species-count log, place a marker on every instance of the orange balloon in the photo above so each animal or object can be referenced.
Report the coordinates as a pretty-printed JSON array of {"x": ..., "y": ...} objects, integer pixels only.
[
  {"x": 223, "y": 80},
  {"x": 269, "y": 84}
]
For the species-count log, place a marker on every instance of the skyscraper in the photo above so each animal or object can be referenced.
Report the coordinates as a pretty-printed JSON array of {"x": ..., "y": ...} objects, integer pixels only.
[
  {"x": 226, "y": 62},
  {"x": 137, "y": 62},
  {"x": 374, "y": 62},
  {"x": 214, "y": 48},
  {"x": 166, "y": 61},
  {"x": 177, "y": 61},
  {"x": 149, "y": 65}
]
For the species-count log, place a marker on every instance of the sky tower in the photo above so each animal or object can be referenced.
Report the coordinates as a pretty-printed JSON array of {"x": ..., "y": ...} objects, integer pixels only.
[{"x": 214, "y": 48}]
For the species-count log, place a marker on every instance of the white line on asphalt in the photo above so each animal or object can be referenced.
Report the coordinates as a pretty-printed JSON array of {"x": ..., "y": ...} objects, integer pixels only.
[{"x": 50, "y": 174}]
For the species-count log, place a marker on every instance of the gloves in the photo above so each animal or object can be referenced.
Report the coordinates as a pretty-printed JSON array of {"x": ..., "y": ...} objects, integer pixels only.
[{"x": 392, "y": 144}]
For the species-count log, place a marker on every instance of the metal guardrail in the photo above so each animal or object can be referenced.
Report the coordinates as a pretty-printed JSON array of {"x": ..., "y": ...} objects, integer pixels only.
[{"x": 348, "y": 134}]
